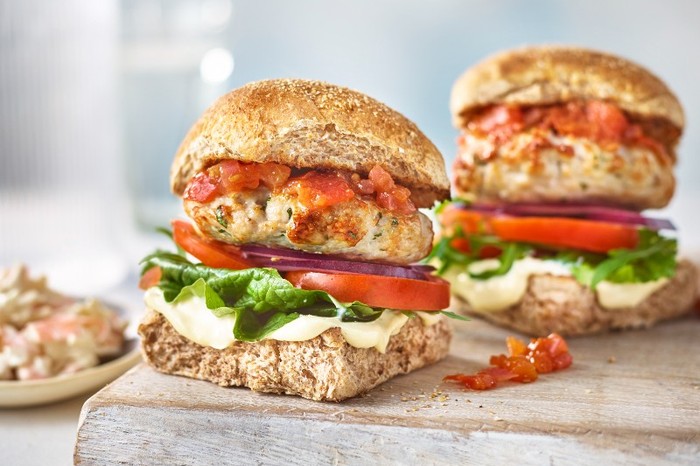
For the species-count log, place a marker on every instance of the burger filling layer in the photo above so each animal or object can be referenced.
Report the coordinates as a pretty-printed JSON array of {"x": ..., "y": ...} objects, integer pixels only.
[
  {"x": 216, "y": 305},
  {"x": 503, "y": 291},
  {"x": 577, "y": 151},
  {"x": 192, "y": 319},
  {"x": 245, "y": 290},
  {"x": 323, "y": 212},
  {"x": 490, "y": 256}
]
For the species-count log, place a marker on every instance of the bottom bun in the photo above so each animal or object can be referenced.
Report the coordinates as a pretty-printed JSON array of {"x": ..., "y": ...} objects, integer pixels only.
[
  {"x": 562, "y": 305},
  {"x": 325, "y": 368}
]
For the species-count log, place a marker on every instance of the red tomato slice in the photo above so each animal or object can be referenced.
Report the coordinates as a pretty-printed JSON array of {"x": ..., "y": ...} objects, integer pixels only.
[
  {"x": 566, "y": 232},
  {"x": 377, "y": 291},
  {"x": 486, "y": 252},
  {"x": 561, "y": 232},
  {"x": 212, "y": 253},
  {"x": 150, "y": 278},
  {"x": 468, "y": 220}
]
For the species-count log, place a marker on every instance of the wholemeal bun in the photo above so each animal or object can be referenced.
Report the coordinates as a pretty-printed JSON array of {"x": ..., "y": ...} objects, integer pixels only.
[
  {"x": 563, "y": 305},
  {"x": 544, "y": 75},
  {"x": 325, "y": 368},
  {"x": 311, "y": 124}
]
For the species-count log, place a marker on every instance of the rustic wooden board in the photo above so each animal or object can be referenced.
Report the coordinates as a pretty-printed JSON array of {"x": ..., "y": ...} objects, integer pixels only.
[{"x": 629, "y": 398}]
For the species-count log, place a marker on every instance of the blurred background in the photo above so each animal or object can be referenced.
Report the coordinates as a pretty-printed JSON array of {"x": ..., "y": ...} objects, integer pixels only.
[{"x": 95, "y": 97}]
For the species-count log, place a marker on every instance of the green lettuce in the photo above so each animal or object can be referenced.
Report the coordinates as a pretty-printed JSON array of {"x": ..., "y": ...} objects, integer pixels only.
[
  {"x": 249, "y": 326},
  {"x": 445, "y": 256},
  {"x": 652, "y": 259},
  {"x": 259, "y": 298}
]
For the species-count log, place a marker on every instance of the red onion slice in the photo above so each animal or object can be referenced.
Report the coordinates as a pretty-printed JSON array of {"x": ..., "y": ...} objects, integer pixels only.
[
  {"x": 286, "y": 260},
  {"x": 584, "y": 211}
]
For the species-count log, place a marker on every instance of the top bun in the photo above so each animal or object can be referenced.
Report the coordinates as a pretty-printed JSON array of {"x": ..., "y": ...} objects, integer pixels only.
[
  {"x": 311, "y": 124},
  {"x": 549, "y": 74}
]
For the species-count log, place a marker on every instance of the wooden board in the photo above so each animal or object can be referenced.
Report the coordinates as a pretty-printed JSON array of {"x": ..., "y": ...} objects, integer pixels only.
[{"x": 629, "y": 398}]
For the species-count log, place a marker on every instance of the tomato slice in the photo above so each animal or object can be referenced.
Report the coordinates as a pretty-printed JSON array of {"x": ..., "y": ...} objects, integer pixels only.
[
  {"x": 468, "y": 220},
  {"x": 150, "y": 278},
  {"x": 377, "y": 291},
  {"x": 211, "y": 253},
  {"x": 566, "y": 232},
  {"x": 586, "y": 235}
]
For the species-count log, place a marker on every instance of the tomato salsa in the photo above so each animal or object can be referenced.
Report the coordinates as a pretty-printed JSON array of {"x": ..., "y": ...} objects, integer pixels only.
[
  {"x": 233, "y": 176},
  {"x": 596, "y": 120},
  {"x": 523, "y": 363},
  {"x": 314, "y": 189}
]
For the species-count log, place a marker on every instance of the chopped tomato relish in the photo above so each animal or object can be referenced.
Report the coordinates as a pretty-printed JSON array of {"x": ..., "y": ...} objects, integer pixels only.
[
  {"x": 599, "y": 121},
  {"x": 233, "y": 176},
  {"x": 318, "y": 190},
  {"x": 523, "y": 364},
  {"x": 315, "y": 189},
  {"x": 389, "y": 195}
]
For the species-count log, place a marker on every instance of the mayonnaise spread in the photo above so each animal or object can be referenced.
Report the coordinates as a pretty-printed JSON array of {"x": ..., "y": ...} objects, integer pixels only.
[
  {"x": 193, "y": 320},
  {"x": 500, "y": 292}
]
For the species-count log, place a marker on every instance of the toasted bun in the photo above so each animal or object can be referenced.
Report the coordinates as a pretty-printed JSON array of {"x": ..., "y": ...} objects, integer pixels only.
[
  {"x": 325, "y": 368},
  {"x": 549, "y": 74},
  {"x": 563, "y": 305},
  {"x": 311, "y": 124}
]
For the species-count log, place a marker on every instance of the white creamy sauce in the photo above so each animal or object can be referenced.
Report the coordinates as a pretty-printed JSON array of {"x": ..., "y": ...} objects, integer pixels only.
[
  {"x": 621, "y": 295},
  {"x": 501, "y": 292},
  {"x": 193, "y": 320},
  {"x": 358, "y": 334}
]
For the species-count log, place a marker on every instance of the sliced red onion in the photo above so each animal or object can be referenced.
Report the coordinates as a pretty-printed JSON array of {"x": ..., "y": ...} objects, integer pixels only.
[
  {"x": 585, "y": 211},
  {"x": 286, "y": 260}
]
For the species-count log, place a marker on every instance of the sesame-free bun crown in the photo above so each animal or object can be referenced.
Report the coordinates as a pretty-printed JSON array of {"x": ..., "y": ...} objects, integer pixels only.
[
  {"x": 544, "y": 75},
  {"x": 311, "y": 124}
]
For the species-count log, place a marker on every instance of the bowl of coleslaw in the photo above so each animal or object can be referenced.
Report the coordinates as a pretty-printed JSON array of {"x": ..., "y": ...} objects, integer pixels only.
[{"x": 53, "y": 346}]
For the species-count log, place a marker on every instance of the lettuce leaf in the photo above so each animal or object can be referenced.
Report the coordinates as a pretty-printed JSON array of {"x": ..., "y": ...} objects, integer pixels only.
[
  {"x": 249, "y": 326},
  {"x": 260, "y": 299},
  {"x": 446, "y": 256},
  {"x": 652, "y": 259}
]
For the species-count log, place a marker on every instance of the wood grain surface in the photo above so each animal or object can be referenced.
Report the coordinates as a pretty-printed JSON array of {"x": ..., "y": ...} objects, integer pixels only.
[{"x": 629, "y": 398}]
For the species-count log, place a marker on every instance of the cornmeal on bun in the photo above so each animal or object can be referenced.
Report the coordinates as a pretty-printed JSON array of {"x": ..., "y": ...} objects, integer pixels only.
[
  {"x": 560, "y": 148},
  {"x": 302, "y": 200}
]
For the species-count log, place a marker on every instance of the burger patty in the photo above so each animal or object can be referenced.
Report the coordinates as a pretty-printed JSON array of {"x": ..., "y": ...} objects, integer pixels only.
[
  {"x": 536, "y": 167},
  {"x": 356, "y": 229}
]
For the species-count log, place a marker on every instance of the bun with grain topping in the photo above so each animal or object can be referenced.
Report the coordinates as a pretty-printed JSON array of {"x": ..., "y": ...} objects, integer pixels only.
[
  {"x": 559, "y": 149},
  {"x": 304, "y": 200},
  {"x": 552, "y": 74},
  {"x": 312, "y": 124}
]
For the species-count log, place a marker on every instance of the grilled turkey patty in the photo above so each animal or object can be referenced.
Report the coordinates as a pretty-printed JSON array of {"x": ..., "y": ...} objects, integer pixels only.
[
  {"x": 562, "y": 168},
  {"x": 356, "y": 229}
]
